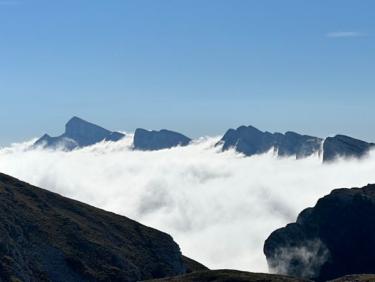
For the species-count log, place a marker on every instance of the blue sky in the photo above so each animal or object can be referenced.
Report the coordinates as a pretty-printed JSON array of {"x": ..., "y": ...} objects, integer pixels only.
[{"x": 195, "y": 66}]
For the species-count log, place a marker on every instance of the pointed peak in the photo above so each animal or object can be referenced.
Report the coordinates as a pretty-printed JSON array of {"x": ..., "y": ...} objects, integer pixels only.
[
  {"x": 248, "y": 128},
  {"x": 75, "y": 122},
  {"x": 76, "y": 119}
]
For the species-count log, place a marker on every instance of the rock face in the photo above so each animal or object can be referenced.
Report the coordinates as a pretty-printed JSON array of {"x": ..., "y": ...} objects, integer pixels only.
[
  {"x": 333, "y": 239},
  {"x": 251, "y": 141},
  {"x": 230, "y": 276},
  {"x": 344, "y": 146},
  {"x": 46, "y": 237},
  {"x": 192, "y": 265},
  {"x": 156, "y": 140},
  {"x": 78, "y": 133}
]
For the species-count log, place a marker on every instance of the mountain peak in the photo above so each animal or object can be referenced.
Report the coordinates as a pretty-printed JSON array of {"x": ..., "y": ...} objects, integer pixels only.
[
  {"x": 76, "y": 119},
  {"x": 82, "y": 132},
  {"x": 156, "y": 140},
  {"x": 250, "y": 141},
  {"x": 345, "y": 146},
  {"x": 79, "y": 122}
]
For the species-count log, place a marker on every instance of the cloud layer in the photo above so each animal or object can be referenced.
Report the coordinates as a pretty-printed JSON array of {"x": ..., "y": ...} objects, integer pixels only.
[{"x": 219, "y": 207}]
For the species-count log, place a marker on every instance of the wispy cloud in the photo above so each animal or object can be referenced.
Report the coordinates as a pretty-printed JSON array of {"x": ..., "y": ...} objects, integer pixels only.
[{"x": 345, "y": 34}]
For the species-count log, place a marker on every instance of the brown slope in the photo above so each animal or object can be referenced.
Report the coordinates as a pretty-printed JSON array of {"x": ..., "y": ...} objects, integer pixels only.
[
  {"x": 229, "y": 276},
  {"x": 47, "y": 237}
]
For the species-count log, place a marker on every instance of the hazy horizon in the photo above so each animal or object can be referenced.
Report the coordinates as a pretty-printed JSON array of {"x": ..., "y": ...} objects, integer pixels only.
[{"x": 61, "y": 129}]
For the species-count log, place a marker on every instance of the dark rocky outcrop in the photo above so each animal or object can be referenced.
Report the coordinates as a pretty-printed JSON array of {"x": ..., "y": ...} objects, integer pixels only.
[
  {"x": 251, "y": 141},
  {"x": 229, "y": 276},
  {"x": 47, "y": 237},
  {"x": 156, "y": 140},
  {"x": 333, "y": 239},
  {"x": 192, "y": 265},
  {"x": 344, "y": 146},
  {"x": 78, "y": 133}
]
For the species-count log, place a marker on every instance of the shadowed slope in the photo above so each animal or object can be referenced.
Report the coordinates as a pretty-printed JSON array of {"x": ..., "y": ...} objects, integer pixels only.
[
  {"x": 47, "y": 237},
  {"x": 229, "y": 276},
  {"x": 356, "y": 278}
]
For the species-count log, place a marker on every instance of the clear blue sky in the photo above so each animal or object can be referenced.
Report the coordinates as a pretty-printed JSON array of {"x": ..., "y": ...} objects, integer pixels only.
[{"x": 195, "y": 66}]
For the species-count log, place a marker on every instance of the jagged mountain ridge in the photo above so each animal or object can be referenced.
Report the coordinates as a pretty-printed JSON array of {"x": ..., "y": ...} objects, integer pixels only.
[
  {"x": 250, "y": 141},
  {"x": 344, "y": 146},
  {"x": 247, "y": 140}
]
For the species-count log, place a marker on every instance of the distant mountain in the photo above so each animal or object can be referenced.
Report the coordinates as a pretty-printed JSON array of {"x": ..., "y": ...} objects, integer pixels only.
[
  {"x": 156, "y": 140},
  {"x": 332, "y": 239},
  {"x": 251, "y": 141},
  {"x": 47, "y": 237},
  {"x": 78, "y": 133},
  {"x": 247, "y": 140},
  {"x": 344, "y": 146}
]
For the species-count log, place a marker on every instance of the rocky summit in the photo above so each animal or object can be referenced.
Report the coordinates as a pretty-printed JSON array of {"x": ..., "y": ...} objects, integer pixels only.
[
  {"x": 146, "y": 140},
  {"x": 78, "y": 133},
  {"x": 345, "y": 146},
  {"x": 47, "y": 237},
  {"x": 332, "y": 239},
  {"x": 249, "y": 141}
]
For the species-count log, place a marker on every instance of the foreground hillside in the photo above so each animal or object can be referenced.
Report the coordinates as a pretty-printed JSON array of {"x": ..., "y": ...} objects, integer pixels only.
[
  {"x": 46, "y": 237},
  {"x": 241, "y": 276},
  {"x": 229, "y": 276},
  {"x": 356, "y": 278}
]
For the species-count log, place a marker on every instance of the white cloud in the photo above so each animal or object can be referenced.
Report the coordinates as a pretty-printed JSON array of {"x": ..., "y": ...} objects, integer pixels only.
[
  {"x": 345, "y": 34},
  {"x": 219, "y": 207}
]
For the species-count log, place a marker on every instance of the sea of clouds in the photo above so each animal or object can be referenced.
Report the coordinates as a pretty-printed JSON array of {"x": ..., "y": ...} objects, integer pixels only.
[{"x": 218, "y": 206}]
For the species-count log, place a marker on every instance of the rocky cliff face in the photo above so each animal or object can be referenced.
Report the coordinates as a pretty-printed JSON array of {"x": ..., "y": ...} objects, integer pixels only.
[
  {"x": 335, "y": 238},
  {"x": 156, "y": 140},
  {"x": 345, "y": 146},
  {"x": 78, "y": 133},
  {"x": 46, "y": 237},
  {"x": 251, "y": 141}
]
